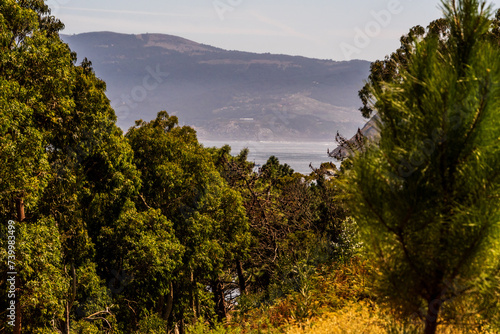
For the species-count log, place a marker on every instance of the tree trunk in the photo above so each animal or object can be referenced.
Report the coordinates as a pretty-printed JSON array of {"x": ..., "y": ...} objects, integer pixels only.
[
  {"x": 67, "y": 326},
  {"x": 192, "y": 287},
  {"x": 161, "y": 305},
  {"x": 196, "y": 300},
  {"x": 241, "y": 278},
  {"x": 170, "y": 302},
  {"x": 432, "y": 316},
  {"x": 20, "y": 209},
  {"x": 176, "y": 329},
  {"x": 197, "y": 304},
  {"x": 71, "y": 300},
  {"x": 220, "y": 305},
  {"x": 181, "y": 327},
  {"x": 18, "y": 321}
]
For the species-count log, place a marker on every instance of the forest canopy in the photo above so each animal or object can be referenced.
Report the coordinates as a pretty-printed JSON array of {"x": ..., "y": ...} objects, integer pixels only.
[{"x": 149, "y": 231}]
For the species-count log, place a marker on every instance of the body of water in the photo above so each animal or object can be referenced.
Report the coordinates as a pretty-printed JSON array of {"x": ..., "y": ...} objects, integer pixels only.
[{"x": 296, "y": 154}]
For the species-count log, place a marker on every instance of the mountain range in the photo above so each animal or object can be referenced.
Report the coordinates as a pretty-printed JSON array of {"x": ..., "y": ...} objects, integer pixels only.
[{"x": 228, "y": 95}]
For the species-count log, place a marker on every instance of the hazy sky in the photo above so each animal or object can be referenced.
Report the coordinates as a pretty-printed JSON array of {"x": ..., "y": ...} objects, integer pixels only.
[{"x": 327, "y": 29}]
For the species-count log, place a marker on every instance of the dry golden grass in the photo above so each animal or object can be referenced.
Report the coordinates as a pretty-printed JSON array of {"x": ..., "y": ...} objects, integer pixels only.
[
  {"x": 338, "y": 302},
  {"x": 354, "y": 318},
  {"x": 366, "y": 317}
]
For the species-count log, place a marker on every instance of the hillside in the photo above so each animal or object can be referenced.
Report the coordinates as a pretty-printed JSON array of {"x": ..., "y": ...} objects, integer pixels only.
[{"x": 224, "y": 94}]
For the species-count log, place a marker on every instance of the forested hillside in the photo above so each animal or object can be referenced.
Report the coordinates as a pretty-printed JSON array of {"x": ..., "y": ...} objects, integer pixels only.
[
  {"x": 118, "y": 233},
  {"x": 149, "y": 231}
]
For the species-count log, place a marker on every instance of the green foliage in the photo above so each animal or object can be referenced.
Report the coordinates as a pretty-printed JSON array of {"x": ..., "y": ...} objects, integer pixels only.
[
  {"x": 65, "y": 157},
  {"x": 295, "y": 224},
  {"x": 143, "y": 255},
  {"x": 389, "y": 69},
  {"x": 324, "y": 289},
  {"x": 202, "y": 327},
  {"x": 152, "y": 324},
  {"x": 208, "y": 217},
  {"x": 39, "y": 263},
  {"x": 348, "y": 243},
  {"x": 426, "y": 196},
  {"x": 150, "y": 231}
]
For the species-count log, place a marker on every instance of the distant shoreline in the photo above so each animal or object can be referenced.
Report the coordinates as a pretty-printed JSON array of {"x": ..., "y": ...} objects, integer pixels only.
[{"x": 296, "y": 154}]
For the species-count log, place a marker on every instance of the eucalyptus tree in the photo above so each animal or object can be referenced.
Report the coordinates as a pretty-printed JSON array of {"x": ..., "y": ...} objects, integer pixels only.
[
  {"x": 65, "y": 159},
  {"x": 208, "y": 217}
]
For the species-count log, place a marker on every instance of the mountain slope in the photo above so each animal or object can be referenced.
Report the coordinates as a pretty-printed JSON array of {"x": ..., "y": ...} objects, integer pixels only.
[{"x": 225, "y": 94}]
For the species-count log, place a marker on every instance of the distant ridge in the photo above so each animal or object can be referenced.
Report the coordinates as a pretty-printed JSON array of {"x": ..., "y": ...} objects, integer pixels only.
[{"x": 224, "y": 94}]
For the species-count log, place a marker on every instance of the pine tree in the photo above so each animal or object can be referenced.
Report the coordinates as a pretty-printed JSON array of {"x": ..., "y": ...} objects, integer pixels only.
[{"x": 426, "y": 194}]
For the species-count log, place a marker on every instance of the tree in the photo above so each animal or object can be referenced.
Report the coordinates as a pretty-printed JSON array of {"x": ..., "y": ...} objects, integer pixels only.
[
  {"x": 294, "y": 223},
  {"x": 143, "y": 255},
  {"x": 388, "y": 70},
  {"x": 208, "y": 217},
  {"x": 65, "y": 159},
  {"x": 426, "y": 194},
  {"x": 34, "y": 68},
  {"x": 91, "y": 181}
]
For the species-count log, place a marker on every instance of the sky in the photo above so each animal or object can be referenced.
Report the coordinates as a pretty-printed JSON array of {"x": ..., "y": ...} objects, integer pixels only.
[{"x": 324, "y": 29}]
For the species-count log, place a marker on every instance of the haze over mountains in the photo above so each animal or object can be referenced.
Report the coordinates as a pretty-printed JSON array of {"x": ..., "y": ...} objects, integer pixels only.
[{"x": 228, "y": 95}]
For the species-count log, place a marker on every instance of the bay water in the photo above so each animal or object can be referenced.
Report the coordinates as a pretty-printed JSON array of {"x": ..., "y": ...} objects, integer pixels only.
[{"x": 296, "y": 154}]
